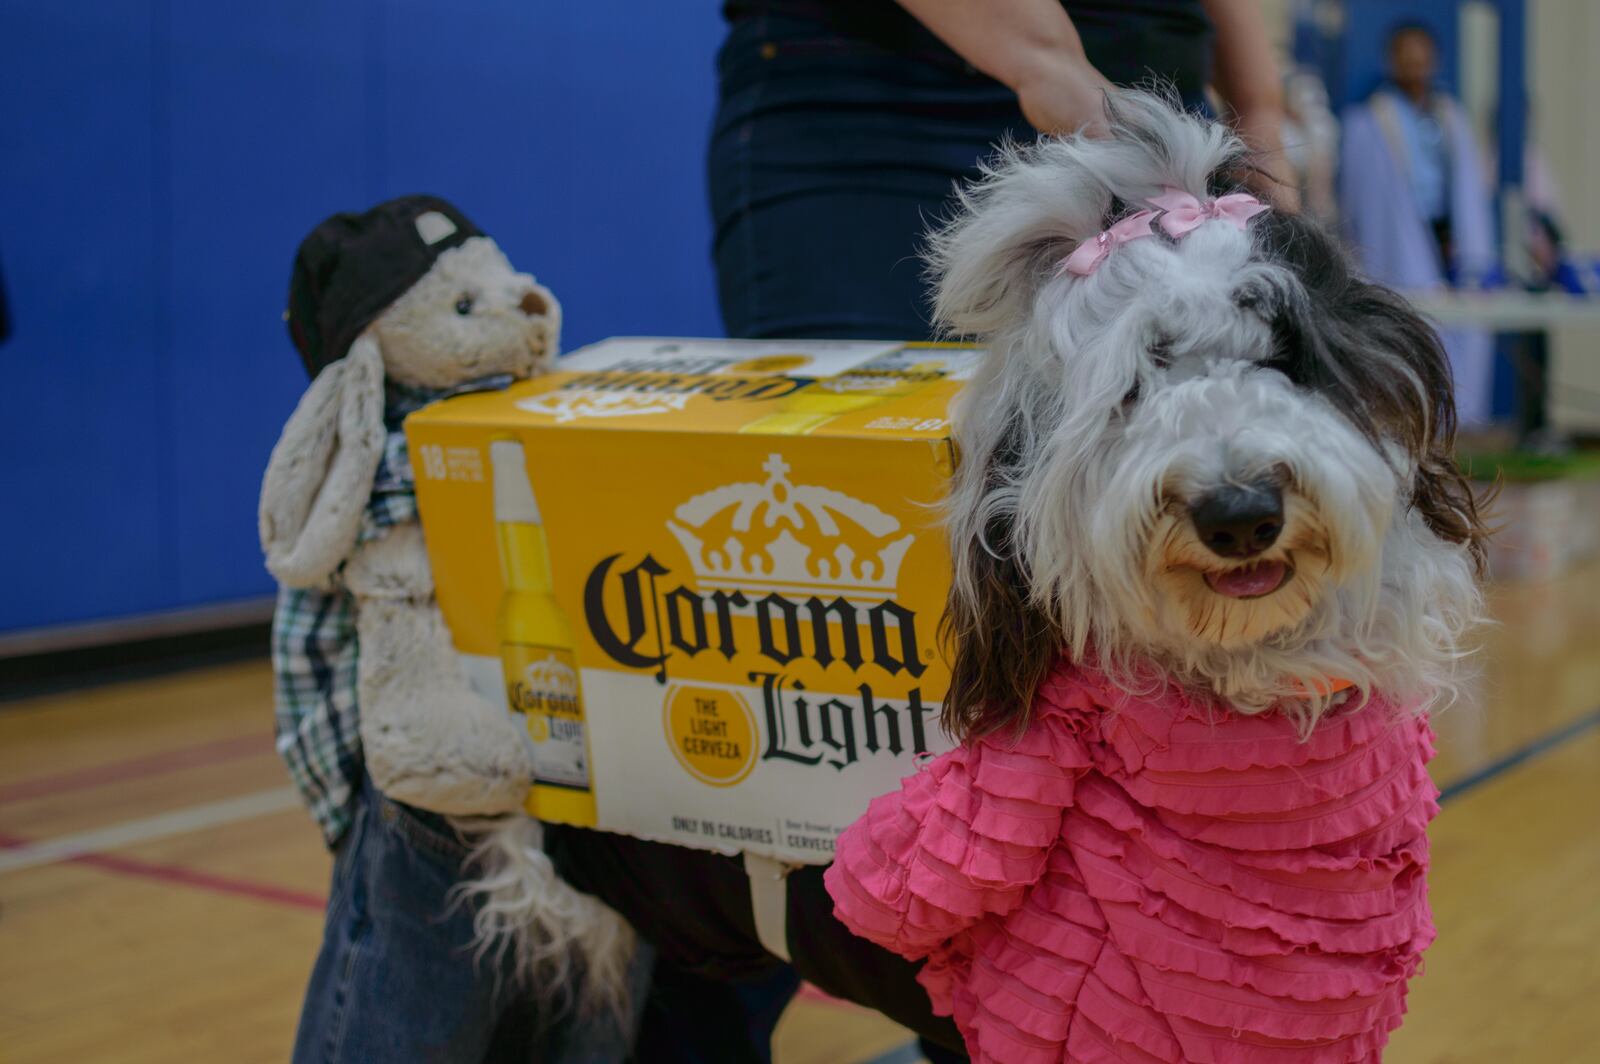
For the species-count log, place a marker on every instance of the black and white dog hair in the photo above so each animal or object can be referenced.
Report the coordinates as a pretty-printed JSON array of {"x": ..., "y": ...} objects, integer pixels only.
[{"x": 1243, "y": 369}]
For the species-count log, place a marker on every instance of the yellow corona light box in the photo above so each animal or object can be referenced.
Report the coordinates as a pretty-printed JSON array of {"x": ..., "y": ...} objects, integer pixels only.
[{"x": 707, "y": 574}]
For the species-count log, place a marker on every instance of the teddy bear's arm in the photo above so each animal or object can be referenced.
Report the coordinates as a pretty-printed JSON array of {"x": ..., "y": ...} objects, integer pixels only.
[
  {"x": 394, "y": 566},
  {"x": 430, "y": 740}
]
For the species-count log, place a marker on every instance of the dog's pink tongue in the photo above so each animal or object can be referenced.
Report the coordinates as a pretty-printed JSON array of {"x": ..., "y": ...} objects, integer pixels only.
[{"x": 1262, "y": 578}]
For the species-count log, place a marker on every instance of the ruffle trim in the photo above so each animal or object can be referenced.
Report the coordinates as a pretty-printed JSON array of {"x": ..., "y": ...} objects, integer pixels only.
[
  {"x": 1277, "y": 789},
  {"x": 962, "y": 840},
  {"x": 1111, "y": 1010},
  {"x": 1113, "y": 881},
  {"x": 1106, "y": 824}
]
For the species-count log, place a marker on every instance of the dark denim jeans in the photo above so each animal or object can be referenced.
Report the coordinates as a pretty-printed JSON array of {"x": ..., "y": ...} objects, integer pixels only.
[
  {"x": 396, "y": 981},
  {"x": 832, "y": 154},
  {"x": 828, "y": 158}
]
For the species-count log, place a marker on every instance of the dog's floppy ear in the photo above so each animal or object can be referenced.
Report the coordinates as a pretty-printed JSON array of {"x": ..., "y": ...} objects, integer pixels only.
[
  {"x": 542, "y": 303},
  {"x": 1001, "y": 643},
  {"x": 321, "y": 471}
]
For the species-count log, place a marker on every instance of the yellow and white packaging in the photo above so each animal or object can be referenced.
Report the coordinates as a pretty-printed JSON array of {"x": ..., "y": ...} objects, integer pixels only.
[{"x": 709, "y": 576}]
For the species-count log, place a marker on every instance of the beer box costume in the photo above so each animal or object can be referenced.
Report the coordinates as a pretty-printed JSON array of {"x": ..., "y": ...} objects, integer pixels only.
[
  {"x": 706, "y": 575},
  {"x": 392, "y": 309}
]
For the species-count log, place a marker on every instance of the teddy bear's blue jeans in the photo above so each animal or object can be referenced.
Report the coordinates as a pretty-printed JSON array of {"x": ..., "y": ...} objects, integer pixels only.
[{"x": 396, "y": 981}]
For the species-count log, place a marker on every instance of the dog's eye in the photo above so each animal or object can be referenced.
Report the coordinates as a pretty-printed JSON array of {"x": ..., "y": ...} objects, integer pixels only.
[
  {"x": 1131, "y": 397},
  {"x": 464, "y": 306}
]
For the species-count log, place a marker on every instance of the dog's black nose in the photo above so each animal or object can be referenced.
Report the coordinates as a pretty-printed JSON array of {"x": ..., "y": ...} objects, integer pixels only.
[{"x": 1239, "y": 522}]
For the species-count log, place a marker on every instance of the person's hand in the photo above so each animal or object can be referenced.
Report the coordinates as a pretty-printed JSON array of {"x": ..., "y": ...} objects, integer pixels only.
[{"x": 1063, "y": 95}]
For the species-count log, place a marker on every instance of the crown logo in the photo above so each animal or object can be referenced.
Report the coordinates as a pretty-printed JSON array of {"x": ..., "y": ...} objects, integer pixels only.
[
  {"x": 551, "y": 678},
  {"x": 588, "y": 403},
  {"x": 779, "y": 536}
]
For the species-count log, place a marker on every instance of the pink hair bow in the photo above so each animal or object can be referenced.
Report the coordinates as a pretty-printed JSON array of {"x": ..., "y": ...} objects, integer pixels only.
[
  {"x": 1183, "y": 212},
  {"x": 1087, "y": 256}
]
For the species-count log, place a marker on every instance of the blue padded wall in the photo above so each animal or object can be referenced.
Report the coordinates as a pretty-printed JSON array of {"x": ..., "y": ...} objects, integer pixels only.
[{"x": 160, "y": 160}]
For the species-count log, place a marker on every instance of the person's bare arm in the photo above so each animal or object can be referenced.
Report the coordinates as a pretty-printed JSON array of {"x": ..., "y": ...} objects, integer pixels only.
[
  {"x": 1248, "y": 80},
  {"x": 1031, "y": 47}
]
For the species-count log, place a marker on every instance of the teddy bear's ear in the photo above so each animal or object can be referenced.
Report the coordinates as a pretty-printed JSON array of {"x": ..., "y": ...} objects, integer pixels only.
[
  {"x": 542, "y": 303},
  {"x": 321, "y": 471}
]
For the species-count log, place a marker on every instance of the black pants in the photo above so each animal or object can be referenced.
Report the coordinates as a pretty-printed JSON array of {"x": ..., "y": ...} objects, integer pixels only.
[{"x": 694, "y": 907}]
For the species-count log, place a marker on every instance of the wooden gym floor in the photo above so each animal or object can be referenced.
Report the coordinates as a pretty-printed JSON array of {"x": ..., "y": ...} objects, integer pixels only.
[{"x": 161, "y": 890}]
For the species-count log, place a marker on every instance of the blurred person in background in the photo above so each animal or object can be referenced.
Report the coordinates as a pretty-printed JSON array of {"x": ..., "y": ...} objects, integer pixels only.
[
  {"x": 1545, "y": 250},
  {"x": 1415, "y": 202},
  {"x": 1539, "y": 265},
  {"x": 1311, "y": 144}
]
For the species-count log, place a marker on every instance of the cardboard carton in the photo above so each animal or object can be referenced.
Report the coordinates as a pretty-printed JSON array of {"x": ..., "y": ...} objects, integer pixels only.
[{"x": 708, "y": 573}]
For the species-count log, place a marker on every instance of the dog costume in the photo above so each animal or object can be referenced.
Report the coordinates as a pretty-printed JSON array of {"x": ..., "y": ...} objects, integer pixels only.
[{"x": 1157, "y": 878}]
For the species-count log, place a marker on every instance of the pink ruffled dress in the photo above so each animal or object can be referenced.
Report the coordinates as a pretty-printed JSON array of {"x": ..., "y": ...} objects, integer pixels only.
[{"x": 1157, "y": 880}]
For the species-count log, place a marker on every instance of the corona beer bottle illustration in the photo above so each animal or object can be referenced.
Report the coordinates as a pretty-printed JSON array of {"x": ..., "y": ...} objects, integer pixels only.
[
  {"x": 536, "y": 649},
  {"x": 886, "y": 377}
]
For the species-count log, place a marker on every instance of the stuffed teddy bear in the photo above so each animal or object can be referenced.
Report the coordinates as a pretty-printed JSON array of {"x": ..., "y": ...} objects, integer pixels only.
[
  {"x": 427, "y": 738},
  {"x": 390, "y": 309}
]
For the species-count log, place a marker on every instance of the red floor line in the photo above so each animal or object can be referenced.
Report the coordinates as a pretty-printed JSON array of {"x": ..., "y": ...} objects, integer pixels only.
[
  {"x": 178, "y": 875},
  {"x": 138, "y": 767}
]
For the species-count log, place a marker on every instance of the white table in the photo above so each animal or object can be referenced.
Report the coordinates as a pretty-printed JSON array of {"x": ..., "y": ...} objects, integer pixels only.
[
  {"x": 1514, "y": 312},
  {"x": 1508, "y": 311}
]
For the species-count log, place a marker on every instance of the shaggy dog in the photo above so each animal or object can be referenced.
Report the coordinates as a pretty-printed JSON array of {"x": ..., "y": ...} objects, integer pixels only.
[
  {"x": 1224, "y": 453},
  {"x": 1213, "y": 565}
]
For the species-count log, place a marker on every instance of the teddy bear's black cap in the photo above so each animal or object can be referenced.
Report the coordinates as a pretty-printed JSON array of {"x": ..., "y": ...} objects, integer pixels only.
[{"x": 352, "y": 266}]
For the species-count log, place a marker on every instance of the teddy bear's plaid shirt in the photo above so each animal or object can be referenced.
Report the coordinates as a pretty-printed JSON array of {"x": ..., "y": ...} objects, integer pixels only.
[
  {"x": 314, "y": 649},
  {"x": 314, "y": 664}
]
